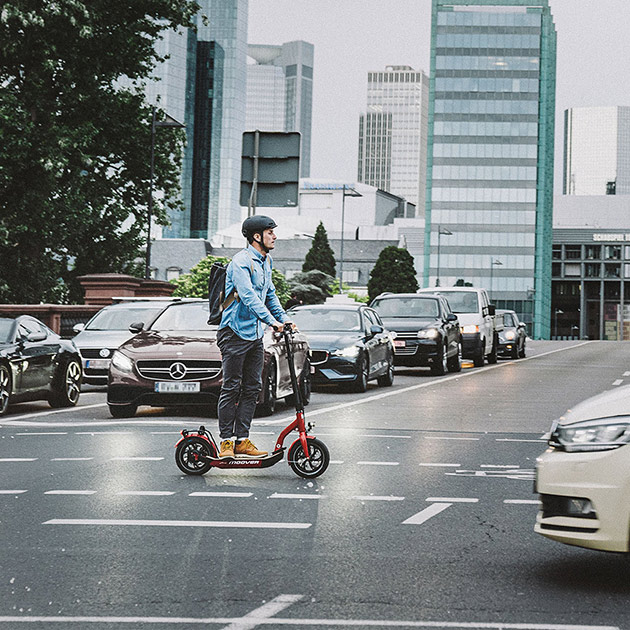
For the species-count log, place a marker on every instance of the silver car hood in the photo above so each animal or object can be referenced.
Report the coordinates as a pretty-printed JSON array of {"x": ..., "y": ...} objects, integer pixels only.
[
  {"x": 101, "y": 338},
  {"x": 615, "y": 402}
]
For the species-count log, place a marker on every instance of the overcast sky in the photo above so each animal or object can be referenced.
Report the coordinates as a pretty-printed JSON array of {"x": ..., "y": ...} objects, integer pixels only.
[{"x": 353, "y": 37}]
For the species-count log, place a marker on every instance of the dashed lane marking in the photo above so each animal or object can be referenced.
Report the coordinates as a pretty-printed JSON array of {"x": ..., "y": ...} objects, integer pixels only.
[
  {"x": 618, "y": 382},
  {"x": 378, "y": 463},
  {"x": 145, "y": 493},
  {"x": 522, "y": 501},
  {"x": 263, "y": 613},
  {"x": 64, "y": 492},
  {"x": 229, "y": 495},
  {"x": 18, "y": 459},
  {"x": 437, "y": 437},
  {"x": 136, "y": 459},
  {"x": 452, "y": 500},
  {"x": 424, "y": 515},
  {"x": 439, "y": 465},
  {"x": 280, "y": 495},
  {"x": 13, "y": 491},
  {"x": 44, "y": 433},
  {"x": 377, "y": 498},
  {"x": 167, "y": 523},
  {"x": 71, "y": 459}
]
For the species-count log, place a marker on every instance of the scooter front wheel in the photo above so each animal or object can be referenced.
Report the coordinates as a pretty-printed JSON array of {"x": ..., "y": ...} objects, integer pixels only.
[
  {"x": 315, "y": 464},
  {"x": 189, "y": 452}
]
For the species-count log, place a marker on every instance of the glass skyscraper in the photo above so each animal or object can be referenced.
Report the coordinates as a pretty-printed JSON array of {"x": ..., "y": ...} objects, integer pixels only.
[
  {"x": 490, "y": 159},
  {"x": 393, "y": 133},
  {"x": 280, "y": 92},
  {"x": 597, "y": 151}
]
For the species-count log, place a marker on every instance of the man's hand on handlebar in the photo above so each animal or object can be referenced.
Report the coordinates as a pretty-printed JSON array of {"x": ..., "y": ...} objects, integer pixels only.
[{"x": 289, "y": 326}]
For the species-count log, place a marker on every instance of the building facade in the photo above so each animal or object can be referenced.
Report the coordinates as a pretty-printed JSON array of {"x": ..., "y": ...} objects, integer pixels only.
[
  {"x": 596, "y": 151},
  {"x": 280, "y": 92},
  {"x": 393, "y": 133},
  {"x": 490, "y": 159}
]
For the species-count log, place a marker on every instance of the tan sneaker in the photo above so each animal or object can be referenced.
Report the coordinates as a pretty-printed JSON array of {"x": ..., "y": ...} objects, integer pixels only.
[
  {"x": 227, "y": 448},
  {"x": 246, "y": 447}
]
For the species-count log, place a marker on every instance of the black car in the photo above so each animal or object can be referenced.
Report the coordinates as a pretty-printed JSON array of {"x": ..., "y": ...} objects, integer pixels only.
[
  {"x": 513, "y": 336},
  {"x": 427, "y": 332},
  {"x": 349, "y": 344},
  {"x": 37, "y": 364}
]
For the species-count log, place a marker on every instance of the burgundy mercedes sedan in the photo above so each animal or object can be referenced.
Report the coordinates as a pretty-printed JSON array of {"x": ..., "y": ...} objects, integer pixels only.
[{"x": 176, "y": 362}]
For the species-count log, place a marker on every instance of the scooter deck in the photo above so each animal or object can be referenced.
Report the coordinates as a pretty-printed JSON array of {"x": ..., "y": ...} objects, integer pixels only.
[{"x": 248, "y": 460}]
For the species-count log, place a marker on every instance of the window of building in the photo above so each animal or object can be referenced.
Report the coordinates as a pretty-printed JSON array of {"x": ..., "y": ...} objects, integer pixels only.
[
  {"x": 626, "y": 270},
  {"x": 572, "y": 252},
  {"x": 612, "y": 252},
  {"x": 351, "y": 275},
  {"x": 612, "y": 270},
  {"x": 572, "y": 270},
  {"x": 556, "y": 269},
  {"x": 557, "y": 252},
  {"x": 591, "y": 270},
  {"x": 593, "y": 252}
]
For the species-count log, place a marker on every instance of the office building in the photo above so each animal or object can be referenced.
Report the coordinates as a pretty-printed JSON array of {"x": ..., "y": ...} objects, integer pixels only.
[
  {"x": 596, "y": 151},
  {"x": 393, "y": 133},
  {"x": 490, "y": 162},
  {"x": 280, "y": 92}
]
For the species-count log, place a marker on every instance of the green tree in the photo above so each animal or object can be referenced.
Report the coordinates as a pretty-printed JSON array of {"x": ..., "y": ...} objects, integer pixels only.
[
  {"x": 312, "y": 287},
  {"x": 320, "y": 256},
  {"x": 75, "y": 157},
  {"x": 195, "y": 283},
  {"x": 394, "y": 272}
]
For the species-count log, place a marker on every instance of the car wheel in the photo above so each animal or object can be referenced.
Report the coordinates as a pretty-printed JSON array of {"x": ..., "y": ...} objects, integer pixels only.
[
  {"x": 123, "y": 411},
  {"x": 267, "y": 405},
  {"x": 492, "y": 357},
  {"x": 361, "y": 382},
  {"x": 66, "y": 393},
  {"x": 5, "y": 389},
  {"x": 479, "y": 356},
  {"x": 441, "y": 365},
  {"x": 387, "y": 379},
  {"x": 515, "y": 353},
  {"x": 455, "y": 363}
]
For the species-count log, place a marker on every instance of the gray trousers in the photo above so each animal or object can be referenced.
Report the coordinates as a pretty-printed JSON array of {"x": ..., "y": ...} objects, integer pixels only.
[{"x": 242, "y": 363}]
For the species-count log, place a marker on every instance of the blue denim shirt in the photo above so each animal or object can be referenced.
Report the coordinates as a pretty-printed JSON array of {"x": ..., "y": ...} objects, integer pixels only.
[{"x": 250, "y": 274}]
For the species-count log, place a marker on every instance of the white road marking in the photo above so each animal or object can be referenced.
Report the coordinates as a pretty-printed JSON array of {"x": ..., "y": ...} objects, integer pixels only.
[
  {"x": 431, "y": 437},
  {"x": 376, "y": 498},
  {"x": 71, "y": 459},
  {"x": 300, "y": 622},
  {"x": 379, "y": 463},
  {"x": 499, "y": 466},
  {"x": 626, "y": 373},
  {"x": 522, "y": 501},
  {"x": 18, "y": 459},
  {"x": 230, "y": 495},
  {"x": 12, "y": 491},
  {"x": 440, "y": 465},
  {"x": 279, "y": 495},
  {"x": 145, "y": 493},
  {"x": 93, "y": 433},
  {"x": 426, "y": 514},
  {"x": 388, "y": 437},
  {"x": 431, "y": 383},
  {"x": 264, "y": 612},
  {"x": 158, "y": 523},
  {"x": 452, "y": 500},
  {"x": 336, "y": 461},
  {"x": 44, "y": 433},
  {"x": 538, "y": 441},
  {"x": 618, "y": 381},
  {"x": 70, "y": 492},
  {"x": 136, "y": 459}
]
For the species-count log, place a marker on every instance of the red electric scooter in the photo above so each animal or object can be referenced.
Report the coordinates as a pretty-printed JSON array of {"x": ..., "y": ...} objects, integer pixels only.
[{"x": 197, "y": 452}]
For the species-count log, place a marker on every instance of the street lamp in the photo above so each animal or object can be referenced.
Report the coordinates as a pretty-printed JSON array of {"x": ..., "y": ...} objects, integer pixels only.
[
  {"x": 493, "y": 262},
  {"x": 347, "y": 192},
  {"x": 445, "y": 232},
  {"x": 167, "y": 122}
]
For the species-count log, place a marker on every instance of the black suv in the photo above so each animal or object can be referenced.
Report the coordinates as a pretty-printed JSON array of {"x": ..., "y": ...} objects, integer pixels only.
[{"x": 426, "y": 331}]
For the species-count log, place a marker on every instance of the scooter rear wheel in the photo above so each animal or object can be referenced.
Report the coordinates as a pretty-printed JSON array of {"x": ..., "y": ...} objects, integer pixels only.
[
  {"x": 188, "y": 455},
  {"x": 315, "y": 465}
]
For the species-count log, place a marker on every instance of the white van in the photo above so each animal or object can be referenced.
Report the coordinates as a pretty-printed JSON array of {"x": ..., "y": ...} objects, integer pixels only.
[{"x": 480, "y": 337}]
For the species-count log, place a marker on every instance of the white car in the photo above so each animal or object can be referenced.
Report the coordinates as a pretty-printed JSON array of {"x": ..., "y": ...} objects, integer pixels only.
[{"x": 584, "y": 476}]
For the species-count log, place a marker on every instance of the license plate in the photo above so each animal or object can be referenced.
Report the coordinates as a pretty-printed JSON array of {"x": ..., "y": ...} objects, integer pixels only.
[
  {"x": 399, "y": 343},
  {"x": 177, "y": 388},
  {"x": 97, "y": 364}
]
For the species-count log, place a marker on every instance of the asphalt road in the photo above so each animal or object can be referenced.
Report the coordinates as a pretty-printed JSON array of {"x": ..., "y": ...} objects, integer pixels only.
[{"x": 423, "y": 520}]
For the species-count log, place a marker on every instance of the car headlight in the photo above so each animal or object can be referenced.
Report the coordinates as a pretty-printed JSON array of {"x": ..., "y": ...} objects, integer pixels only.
[
  {"x": 428, "y": 333},
  {"x": 470, "y": 329},
  {"x": 509, "y": 335},
  {"x": 122, "y": 362},
  {"x": 603, "y": 434},
  {"x": 349, "y": 353}
]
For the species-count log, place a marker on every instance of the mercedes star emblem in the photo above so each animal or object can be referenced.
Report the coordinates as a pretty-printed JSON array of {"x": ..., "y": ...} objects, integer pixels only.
[{"x": 177, "y": 370}]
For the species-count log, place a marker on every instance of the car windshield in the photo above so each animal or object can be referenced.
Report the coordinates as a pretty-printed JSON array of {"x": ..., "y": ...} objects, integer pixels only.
[
  {"x": 422, "y": 308},
  {"x": 122, "y": 318},
  {"x": 6, "y": 326},
  {"x": 462, "y": 301},
  {"x": 183, "y": 317},
  {"x": 326, "y": 319},
  {"x": 508, "y": 320}
]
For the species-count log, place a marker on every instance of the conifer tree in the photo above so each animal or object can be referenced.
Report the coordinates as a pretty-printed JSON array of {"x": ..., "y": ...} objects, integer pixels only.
[
  {"x": 394, "y": 272},
  {"x": 320, "y": 256}
]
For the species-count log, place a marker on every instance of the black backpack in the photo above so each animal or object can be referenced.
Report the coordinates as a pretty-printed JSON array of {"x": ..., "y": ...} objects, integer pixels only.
[{"x": 216, "y": 293}]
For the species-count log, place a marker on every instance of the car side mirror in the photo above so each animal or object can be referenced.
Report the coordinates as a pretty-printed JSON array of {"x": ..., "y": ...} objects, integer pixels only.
[
  {"x": 451, "y": 317},
  {"x": 77, "y": 328},
  {"x": 36, "y": 337},
  {"x": 375, "y": 329},
  {"x": 492, "y": 309},
  {"x": 136, "y": 327}
]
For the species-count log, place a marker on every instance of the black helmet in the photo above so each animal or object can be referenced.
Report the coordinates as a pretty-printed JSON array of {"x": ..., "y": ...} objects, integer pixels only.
[{"x": 257, "y": 223}]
